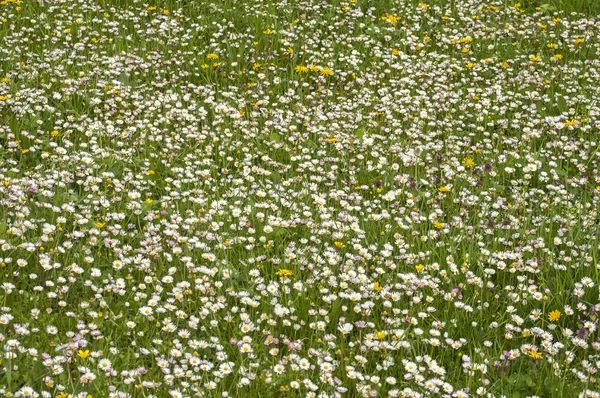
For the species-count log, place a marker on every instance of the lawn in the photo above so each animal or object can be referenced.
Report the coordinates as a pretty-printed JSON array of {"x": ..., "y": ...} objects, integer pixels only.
[{"x": 250, "y": 198}]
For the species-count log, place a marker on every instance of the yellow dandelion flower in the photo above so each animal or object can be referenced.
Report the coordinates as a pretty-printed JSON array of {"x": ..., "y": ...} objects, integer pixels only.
[
  {"x": 535, "y": 355},
  {"x": 284, "y": 272},
  {"x": 554, "y": 315},
  {"x": 393, "y": 19}
]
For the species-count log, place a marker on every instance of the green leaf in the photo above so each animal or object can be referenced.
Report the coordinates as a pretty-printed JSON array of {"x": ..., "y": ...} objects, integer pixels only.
[
  {"x": 3, "y": 228},
  {"x": 547, "y": 7},
  {"x": 562, "y": 104},
  {"x": 275, "y": 137}
]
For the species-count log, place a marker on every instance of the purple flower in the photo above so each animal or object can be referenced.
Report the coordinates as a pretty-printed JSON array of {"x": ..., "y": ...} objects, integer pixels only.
[
  {"x": 360, "y": 324},
  {"x": 582, "y": 333}
]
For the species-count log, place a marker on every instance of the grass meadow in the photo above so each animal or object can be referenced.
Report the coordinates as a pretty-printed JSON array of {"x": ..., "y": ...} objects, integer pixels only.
[{"x": 320, "y": 199}]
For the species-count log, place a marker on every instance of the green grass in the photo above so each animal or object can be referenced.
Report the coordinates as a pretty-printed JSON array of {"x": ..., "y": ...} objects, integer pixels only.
[
  {"x": 588, "y": 8},
  {"x": 277, "y": 199}
]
